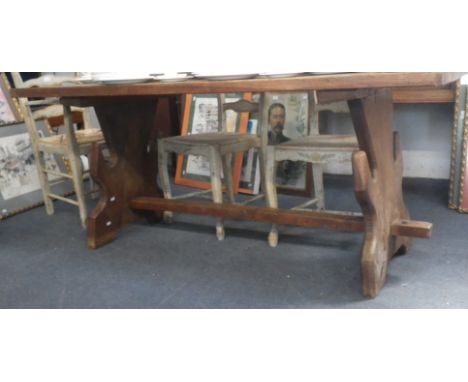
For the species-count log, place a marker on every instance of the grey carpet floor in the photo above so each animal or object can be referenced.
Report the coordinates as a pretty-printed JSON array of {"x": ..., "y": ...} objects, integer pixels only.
[{"x": 45, "y": 263}]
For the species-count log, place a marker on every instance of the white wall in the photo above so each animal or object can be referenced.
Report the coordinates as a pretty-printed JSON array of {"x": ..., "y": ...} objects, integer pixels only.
[{"x": 425, "y": 136}]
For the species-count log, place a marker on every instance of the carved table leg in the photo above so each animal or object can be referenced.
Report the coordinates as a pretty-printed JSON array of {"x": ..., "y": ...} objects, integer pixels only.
[
  {"x": 378, "y": 173},
  {"x": 130, "y": 131}
]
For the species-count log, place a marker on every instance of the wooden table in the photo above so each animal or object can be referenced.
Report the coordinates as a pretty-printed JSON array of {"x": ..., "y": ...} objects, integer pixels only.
[{"x": 129, "y": 190}]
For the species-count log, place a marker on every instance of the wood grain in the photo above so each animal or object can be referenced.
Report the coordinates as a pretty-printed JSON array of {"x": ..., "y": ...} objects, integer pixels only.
[
  {"x": 304, "y": 83},
  {"x": 131, "y": 170},
  {"x": 342, "y": 221},
  {"x": 334, "y": 221},
  {"x": 423, "y": 95},
  {"x": 378, "y": 174},
  {"x": 126, "y": 114},
  {"x": 411, "y": 228}
]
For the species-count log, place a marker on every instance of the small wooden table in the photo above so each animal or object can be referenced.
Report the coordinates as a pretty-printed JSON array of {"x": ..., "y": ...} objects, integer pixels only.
[{"x": 129, "y": 189}]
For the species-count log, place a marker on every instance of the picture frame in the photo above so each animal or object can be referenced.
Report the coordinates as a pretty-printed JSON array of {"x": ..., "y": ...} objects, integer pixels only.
[
  {"x": 249, "y": 180},
  {"x": 296, "y": 107},
  {"x": 20, "y": 189},
  {"x": 292, "y": 178},
  {"x": 458, "y": 186},
  {"x": 9, "y": 107},
  {"x": 200, "y": 116}
]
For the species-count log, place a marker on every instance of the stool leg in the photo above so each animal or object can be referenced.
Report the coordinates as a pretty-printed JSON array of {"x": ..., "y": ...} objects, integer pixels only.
[
  {"x": 44, "y": 181},
  {"x": 92, "y": 189},
  {"x": 216, "y": 188},
  {"x": 75, "y": 164},
  {"x": 319, "y": 193},
  {"x": 271, "y": 196},
  {"x": 77, "y": 174},
  {"x": 227, "y": 170},
  {"x": 38, "y": 157},
  {"x": 164, "y": 176}
]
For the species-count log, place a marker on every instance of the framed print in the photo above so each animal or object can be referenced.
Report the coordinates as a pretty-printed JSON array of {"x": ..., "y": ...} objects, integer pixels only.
[
  {"x": 249, "y": 181},
  {"x": 20, "y": 189},
  {"x": 458, "y": 198},
  {"x": 201, "y": 116},
  {"x": 288, "y": 115},
  {"x": 288, "y": 119},
  {"x": 9, "y": 108}
]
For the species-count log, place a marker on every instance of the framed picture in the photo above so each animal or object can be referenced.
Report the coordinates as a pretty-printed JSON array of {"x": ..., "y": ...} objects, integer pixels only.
[
  {"x": 288, "y": 115},
  {"x": 201, "y": 116},
  {"x": 9, "y": 108},
  {"x": 288, "y": 119},
  {"x": 249, "y": 182},
  {"x": 20, "y": 189},
  {"x": 458, "y": 198}
]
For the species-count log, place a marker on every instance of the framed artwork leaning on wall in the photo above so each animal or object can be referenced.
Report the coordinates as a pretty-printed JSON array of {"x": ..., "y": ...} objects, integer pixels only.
[
  {"x": 9, "y": 108},
  {"x": 201, "y": 116},
  {"x": 20, "y": 189},
  {"x": 458, "y": 191},
  {"x": 287, "y": 120}
]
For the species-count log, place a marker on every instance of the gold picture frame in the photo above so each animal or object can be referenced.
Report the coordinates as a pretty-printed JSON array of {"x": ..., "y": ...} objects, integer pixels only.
[{"x": 9, "y": 107}]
